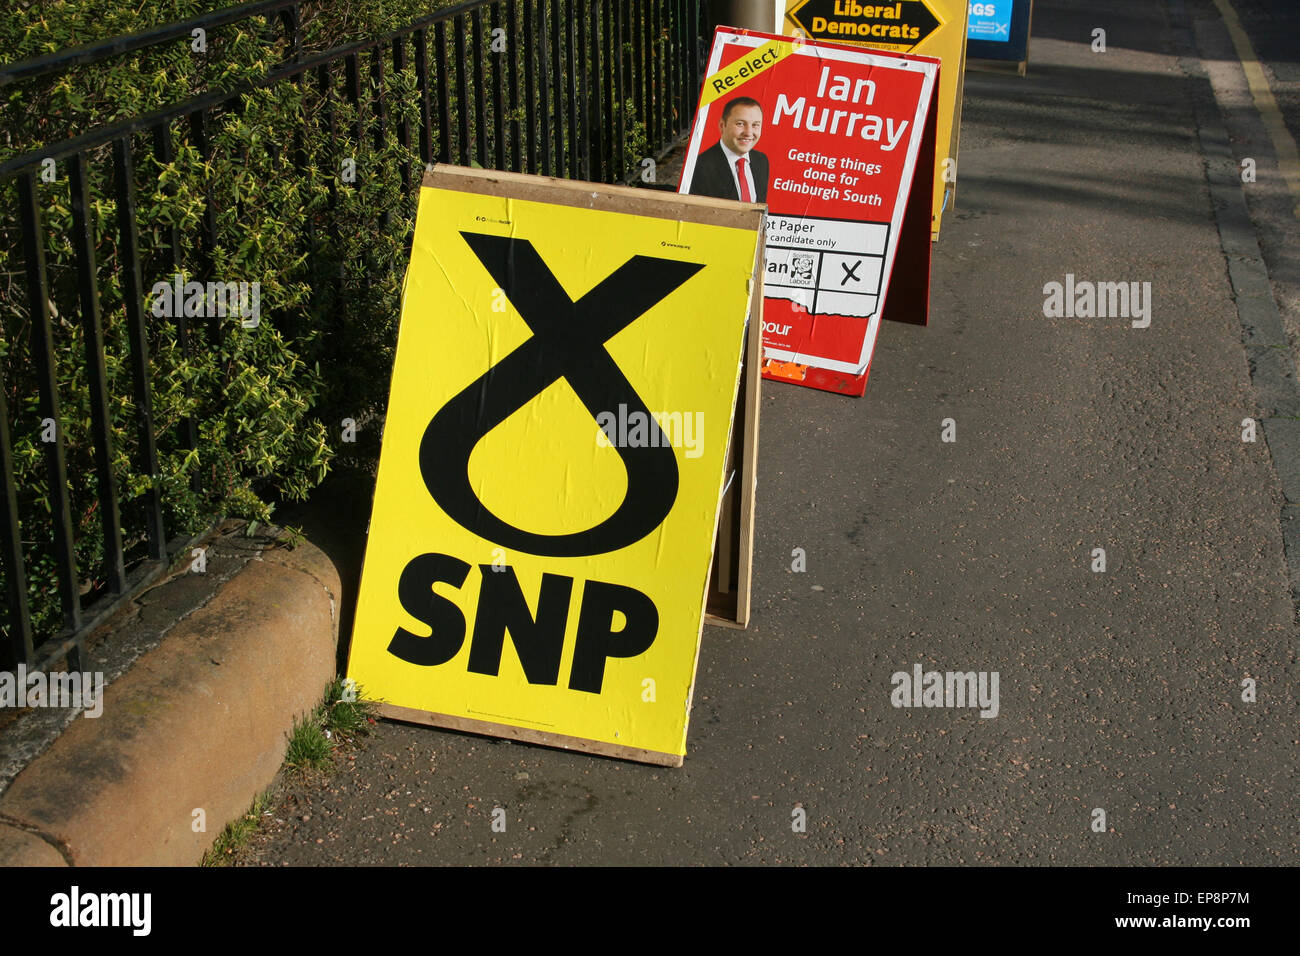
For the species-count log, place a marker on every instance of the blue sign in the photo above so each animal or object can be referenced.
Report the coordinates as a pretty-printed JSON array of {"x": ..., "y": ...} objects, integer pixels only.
[
  {"x": 989, "y": 20},
  {"x": 999, "y": 30}
]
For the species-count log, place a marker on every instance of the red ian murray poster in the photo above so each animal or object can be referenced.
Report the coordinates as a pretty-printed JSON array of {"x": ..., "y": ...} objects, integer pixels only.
[{"x": 832, "y": 138}]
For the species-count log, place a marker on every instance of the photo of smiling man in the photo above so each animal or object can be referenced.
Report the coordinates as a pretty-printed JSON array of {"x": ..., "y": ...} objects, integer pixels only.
[{"x": 731, "y": 168}]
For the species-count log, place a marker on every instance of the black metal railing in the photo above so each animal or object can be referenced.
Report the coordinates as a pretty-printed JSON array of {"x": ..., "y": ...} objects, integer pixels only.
[{"x": 573, "y": 88}]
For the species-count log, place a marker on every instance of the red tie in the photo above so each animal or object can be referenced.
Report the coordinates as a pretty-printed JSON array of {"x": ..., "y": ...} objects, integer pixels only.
[{"x": 743, "y": 180}]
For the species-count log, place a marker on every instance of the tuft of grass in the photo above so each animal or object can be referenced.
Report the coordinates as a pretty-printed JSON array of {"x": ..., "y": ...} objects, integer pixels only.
[
  {"x": 347, "y": 713},
  {"x": 309, "y": 748},
  {"x": 340, "y": 718},
  {"x": 235, "y": 834}
]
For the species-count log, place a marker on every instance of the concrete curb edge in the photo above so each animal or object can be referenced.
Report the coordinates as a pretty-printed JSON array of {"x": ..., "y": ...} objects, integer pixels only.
[{"x": 191, "y": 734}]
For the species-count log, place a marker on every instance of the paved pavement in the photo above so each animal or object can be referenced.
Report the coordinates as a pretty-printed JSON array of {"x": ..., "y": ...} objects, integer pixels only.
[{"x": 1119, "y": 691}]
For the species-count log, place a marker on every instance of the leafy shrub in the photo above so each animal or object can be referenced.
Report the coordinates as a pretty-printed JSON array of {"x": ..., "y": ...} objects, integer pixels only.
[
  {"x": 243, "y": 417},
  {"x": 265, "y": 402}
]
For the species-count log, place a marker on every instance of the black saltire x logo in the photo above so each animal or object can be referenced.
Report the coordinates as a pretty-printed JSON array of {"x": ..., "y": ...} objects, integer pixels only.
[{"x": 568, "y": 342}]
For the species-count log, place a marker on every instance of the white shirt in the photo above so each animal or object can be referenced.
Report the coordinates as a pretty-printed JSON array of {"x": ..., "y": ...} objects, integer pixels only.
[{"x": 749, "y": 171}]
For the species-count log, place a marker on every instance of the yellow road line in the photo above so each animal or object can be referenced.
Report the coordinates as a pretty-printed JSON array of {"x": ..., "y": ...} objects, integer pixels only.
[{"x": 1288, "y": 156}]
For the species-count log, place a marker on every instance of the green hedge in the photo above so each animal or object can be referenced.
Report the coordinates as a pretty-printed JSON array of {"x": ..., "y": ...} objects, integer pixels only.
[{"x": 268, "y": 403}]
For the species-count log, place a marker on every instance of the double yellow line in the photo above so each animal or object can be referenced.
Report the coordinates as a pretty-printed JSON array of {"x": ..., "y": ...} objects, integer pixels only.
[{"x": 1284, "y": 145}]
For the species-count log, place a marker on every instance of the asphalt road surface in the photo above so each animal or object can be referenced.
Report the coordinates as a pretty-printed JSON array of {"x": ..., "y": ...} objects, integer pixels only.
[{"x": 1119, "y": 691}]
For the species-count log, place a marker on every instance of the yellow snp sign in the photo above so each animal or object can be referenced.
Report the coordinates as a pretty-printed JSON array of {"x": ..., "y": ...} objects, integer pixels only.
[
  {"x": 552, "y": 463},
  {"x": 931, "y": 27}
]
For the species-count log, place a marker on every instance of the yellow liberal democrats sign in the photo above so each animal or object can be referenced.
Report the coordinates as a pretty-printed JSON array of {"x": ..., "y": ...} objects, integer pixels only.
[
  {"x": 552, "y": 462},
  {"x": 896, "y": 26},
  {"x": 930, "y": 27}
]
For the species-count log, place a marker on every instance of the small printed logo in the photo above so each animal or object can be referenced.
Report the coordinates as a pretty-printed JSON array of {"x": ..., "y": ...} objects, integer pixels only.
[
  {"x": 946, "y": 689},
  {"x": 801, "y": 267},
  {"x": 76, "y": 690}
]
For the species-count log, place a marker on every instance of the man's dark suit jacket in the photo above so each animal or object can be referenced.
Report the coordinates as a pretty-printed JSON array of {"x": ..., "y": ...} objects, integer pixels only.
[{"x": 713, "y": 175}]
